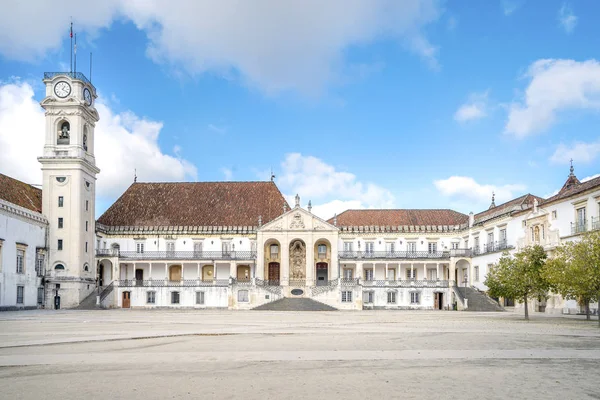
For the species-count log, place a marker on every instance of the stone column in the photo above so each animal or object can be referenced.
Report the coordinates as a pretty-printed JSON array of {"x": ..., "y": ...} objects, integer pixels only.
[
  {"x": 166, "y": 271},
  {"x": 424, "y": 271},
  {"x": 412, "y": 270},
  {"x": 359, "y": 270},
  {"x": 232, "y": 269},
  {"x": 150, "y": 271},
  {"x": 284, "y": 265},
  {"x": 451, "y": 272},
  {"x": 437, "y": 271},
  {"x": 199, "y": 276}
]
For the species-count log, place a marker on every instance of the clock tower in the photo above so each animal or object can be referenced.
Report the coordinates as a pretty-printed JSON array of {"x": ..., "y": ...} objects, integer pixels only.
[{"x": 69, "y": 187}]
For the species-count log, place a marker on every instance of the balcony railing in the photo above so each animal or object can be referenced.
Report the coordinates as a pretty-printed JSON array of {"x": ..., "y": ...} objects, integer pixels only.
[
  {"x": 460, "y": 252},
  {"x": 411, "y": 283},
  {"x": 578, "y": 227},
  {"x": 595, "y": 223},
  {"x": 393, "y": 254},
  {"x": 72, "y": 75},
  {"x": 178, "y": 255},
  {"x": 169, "y": 283},
  {"x": 495, "y": 246}
]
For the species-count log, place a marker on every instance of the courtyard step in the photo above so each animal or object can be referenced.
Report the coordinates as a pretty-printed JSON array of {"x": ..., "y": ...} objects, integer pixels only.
[
  {"x": 89, "y": 303},
  {"x": 296, "y": 304},
  {"x": 479, "y": 301}
]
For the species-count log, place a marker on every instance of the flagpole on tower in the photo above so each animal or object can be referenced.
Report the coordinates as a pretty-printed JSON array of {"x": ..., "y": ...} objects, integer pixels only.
[
  {"x": 71, "y": 48},
  {"x": 75, "y": 55}
]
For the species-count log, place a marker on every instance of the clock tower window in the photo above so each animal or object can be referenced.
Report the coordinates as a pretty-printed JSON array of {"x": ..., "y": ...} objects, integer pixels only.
[{"x": 64, "y": 133}]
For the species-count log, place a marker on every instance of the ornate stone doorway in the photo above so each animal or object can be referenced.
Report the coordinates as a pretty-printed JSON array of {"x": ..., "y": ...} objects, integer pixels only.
[
  {"x": 322, "y": 273},
  {"x": 297, "y": 260},
  {"x": 273, "y": 273}
]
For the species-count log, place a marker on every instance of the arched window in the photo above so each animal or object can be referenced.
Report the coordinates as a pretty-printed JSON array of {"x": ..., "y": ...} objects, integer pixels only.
[
  {"x": 86, "y": 267},
  {"x": 64, "y": 133},
  {"x": 85, "y": 138},
  {"x": 59, "y": 267}
]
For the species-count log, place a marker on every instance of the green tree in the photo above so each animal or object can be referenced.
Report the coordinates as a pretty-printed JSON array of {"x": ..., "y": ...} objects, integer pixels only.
[
  {"x": 574, "y": 271},
  {"x": 519, "y": 276}
]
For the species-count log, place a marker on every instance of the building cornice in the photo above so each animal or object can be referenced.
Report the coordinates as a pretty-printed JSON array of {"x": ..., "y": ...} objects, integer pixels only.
[
  {"x": 174, "y": 230},
  {"x": 22, "y": 213}
]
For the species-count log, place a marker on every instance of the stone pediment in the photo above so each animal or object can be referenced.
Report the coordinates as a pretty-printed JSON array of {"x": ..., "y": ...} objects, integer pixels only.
[{"x": 298, "y": 219}]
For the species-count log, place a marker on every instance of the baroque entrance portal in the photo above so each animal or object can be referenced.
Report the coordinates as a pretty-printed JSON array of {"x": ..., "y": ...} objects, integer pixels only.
[{"x": 297, "y": 260}]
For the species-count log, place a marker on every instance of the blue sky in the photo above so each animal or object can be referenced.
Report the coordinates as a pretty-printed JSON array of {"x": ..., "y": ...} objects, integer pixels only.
[{"x": 427, "y": 104}]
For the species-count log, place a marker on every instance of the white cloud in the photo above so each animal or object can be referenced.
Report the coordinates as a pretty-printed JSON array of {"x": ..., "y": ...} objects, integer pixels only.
[
  {"x": 228, "y": 173},
  {"x": 464, "y": 188},
  {"x": 589, "y": 178},
  {"x": 475, "y": 108},
  {"x": 566, "y": 18},
  {"x": 123, "y": 143},
  {"x": 555, "y": 86},
  {"x": 330, "y": 191},
  {"x": 269, "y": 44},
  {"x": 580, "y": 152},
  {"x": 217, "y": 129},
  {"x": 510, "y": 6}
]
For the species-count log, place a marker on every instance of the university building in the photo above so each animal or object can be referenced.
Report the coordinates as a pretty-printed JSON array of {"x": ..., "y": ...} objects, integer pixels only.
[{"x": 240, "y": 245}]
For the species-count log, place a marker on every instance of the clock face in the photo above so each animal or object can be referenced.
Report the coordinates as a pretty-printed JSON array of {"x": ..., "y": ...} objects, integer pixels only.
[
  {"x": 62, "y": 89},
  {"x": 87, "y": 96}
]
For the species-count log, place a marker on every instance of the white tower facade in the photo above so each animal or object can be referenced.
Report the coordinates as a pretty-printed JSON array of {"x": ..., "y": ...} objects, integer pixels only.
[{"x": 69, "y": 187}]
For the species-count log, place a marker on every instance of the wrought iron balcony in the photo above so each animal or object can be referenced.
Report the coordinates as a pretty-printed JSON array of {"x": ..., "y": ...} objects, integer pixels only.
[
  {"x": 411, "y": 283},
  {"x": 578, "y": 227},
  {"x": 595, "y": 223},
  {"x": 393, "y": 254},
  {"x": 460, "y": 252},
  {"x": 178, "y": 255},
  {"x": 169, "y": 283},
  {"x": 495, "y": 246}
]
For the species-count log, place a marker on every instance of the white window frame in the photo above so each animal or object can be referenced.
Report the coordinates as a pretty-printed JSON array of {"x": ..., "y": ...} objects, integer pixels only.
[
  {"x": 321, "y": 249},
  {"x": 348, "y": 246},
  {"x": 40, "y": 295},
  {"x": 390, "y": 247},
  {"x": 21, "y": 295},
  {"x": 369, "y": 247},
  {"x": 21, "y": 254},
  {"x": 476, "y": 272},
  {"x": 242, "y": 296},
  {"x": 368, "y": 297},
  {"x": 151, "y": 297},
  {"x": 274, "y": 254},
  {"x": 200, "y": 296},
  {"x": 170, "y": 247},
  {"x": 198, "y": 244},
  {"x": 454, "y": 245},
  {"x": 368, "y": 274},
  {"x": 415, "y": 297},
  {"x": 139, "y": 247},
  {"x": 408, "y": 274},
  {"x": 411, "y": 247},
  {"x": 391, "y": 297},
  {"x": 348, "y": 273},
  {"x": 346, "y": 296},
  {"x": 175, "y": 294}
]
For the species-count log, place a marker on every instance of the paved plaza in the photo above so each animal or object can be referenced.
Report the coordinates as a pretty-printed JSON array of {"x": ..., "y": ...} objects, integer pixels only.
[{"x": 118, "y": 354}]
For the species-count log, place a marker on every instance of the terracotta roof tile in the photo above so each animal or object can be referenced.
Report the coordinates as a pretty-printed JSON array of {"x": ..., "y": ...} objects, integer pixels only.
[
  {"x": 196, "y": 204},
  {"x": 573, "y": 187},
  {"x": 20, "y": 193},
  {"x": 520, "y": 203},
  {"x": 398, "y": 217}
]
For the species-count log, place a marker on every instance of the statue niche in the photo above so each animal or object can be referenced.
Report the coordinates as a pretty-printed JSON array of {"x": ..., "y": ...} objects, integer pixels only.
[
  {"x": 64, "y": 134},
  {"x": 297, "y": 260}
]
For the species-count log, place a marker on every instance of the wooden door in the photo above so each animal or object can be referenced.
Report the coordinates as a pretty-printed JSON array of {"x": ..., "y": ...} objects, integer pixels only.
[
  {"x": 274, "y": 273},
  {"x": 126, "y": 299},
  {"x": 436, "y": 299},
  {"x": 175, "y": 273},
  {"x": 208, "y": 273},
  {"x": 243, "y": 273}
]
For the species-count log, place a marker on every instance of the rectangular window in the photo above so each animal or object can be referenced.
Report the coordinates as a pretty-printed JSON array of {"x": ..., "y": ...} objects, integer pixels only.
[
  {"x": 390, "y": 247},
  {"x": 348, "y": 246},
  {"x": 348, "y": 273},
  {"x": 581, "y": 216},
  {"x": 414, "y": 297},
  {"x": 225, "y": 247},
  {"x": 20, "y": 294},
  {"x": 242, "y": 296},
  {"x": 369, "y": 246},
  {"x": 322, "y": 249},
  {"x": 197, "y": 249},
  {"x": 139, "y": 247},
  {"x": 151, "y": 297},
  {"x": 432, "y": 274},
  {"x": 368, "y": 297},
  {"x": 87, "y": 205},
  {"x": 346, "y": 296},
  {"x": 60, "y": 244},
  {"x": 490, "y": 238},
  {"x": 411, "y": 274},
  {"x": 554, "y": 214},
  {"x": 391, "y": 297},
  {"x": 20, "y": 261},
  {"x": 466, "y": 243},
  {"x": 274, "y": 251},
  {"x": 454, "y": 245},
  {"x": 432, "y": 247},
  {"x": 391, "y": 274},
  {"x": 476, "y": 273},
  {"x": 86, "y": 226},
  {"x": 61, "y": 201},
  {"x": 174, "y": 297},
  {"x": 503, "y": 235},
  {"x": 368, "y": 274},
  {"x": 86, "y": 246},
  {"x": 40, "y": 299},
  {"x": 199, "y": 297},
  {"x": 39, "y": 263},
  {"x": 60, "y": 223},
  {"x": 411, "y": 247}
]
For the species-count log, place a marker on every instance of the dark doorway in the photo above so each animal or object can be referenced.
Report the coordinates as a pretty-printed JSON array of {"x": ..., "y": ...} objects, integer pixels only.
[
  {"x": 139, "y": 277},
  {"x": 100, "y": 275},
  {"x": 438, "y": 299},
  {"x": 274, "y": 273},
  {"x": 126, "y": 299},
  {"x": 57, "y": 302},
  {"x": 322, "y": 274}
]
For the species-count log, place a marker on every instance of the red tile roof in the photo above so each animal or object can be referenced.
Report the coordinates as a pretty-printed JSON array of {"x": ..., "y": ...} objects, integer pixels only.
[
  {"x": 400, "y": 217},
  {"x": 20, "y": 193},
  {"x": 573, "y": 187},
  {"x": 520, "y": 203},
  {"x": 196, "y": 204}
]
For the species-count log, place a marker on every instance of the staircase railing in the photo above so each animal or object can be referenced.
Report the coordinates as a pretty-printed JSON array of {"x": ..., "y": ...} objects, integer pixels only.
[
  {"x": 458, "y": 294},
  {"x": 331, "y": 285},
  {"x": 275, "y": 289},
  {"x": 106, "y": 291}
]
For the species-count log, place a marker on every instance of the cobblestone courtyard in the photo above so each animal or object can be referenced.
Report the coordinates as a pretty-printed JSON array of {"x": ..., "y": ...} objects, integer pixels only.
[{"x": 261, "y": 355}]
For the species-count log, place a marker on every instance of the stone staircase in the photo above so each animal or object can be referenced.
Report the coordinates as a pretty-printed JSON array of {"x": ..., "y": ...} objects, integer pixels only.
[
  {"x": 89, "y": 303},
  {"x": 295, "y": 304},
  {"x": 478, "y": 301}
]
